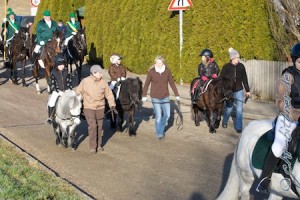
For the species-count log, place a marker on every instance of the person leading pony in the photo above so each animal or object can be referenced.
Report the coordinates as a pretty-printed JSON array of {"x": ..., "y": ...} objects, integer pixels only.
[
  {"x": 60, "y": 81},
  {"x": 288, "y": 102},
  {"x": 207, "y": 70}
]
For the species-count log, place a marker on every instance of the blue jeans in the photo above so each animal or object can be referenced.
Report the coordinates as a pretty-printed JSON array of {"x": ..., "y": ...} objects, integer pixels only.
[
  {"x": 162, "y": 112},
  {"x": 238, "y": 101}
]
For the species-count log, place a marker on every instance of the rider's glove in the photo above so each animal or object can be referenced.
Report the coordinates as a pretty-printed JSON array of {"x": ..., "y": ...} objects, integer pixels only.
[
  {"x": 118, "y": 79},
  {"x": 122, "y": 78},
  {"x": 204, "y": 78},
  {"x": 16, "y": 31},
  {"x": 74, "y": 33},
  {"x": 76, "y": 120},
  {"x": 214, "y": 76},
  {"x": 4, "y": 20},
  {"x": 144, "y": 99},
  {"x": 112, "y": 107},
  {"x": 42, "y": 43},
  {"x": 60, "y": 93},
  {"x": 177, "y": 98}
]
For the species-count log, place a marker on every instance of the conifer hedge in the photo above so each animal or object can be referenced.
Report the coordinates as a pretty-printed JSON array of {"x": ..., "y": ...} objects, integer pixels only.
[{"x": 141, "y": 30}]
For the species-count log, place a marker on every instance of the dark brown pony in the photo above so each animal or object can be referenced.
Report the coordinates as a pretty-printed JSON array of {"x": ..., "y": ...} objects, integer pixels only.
[
  {"x": 18, "y": 49},
  {"x": 211, "y": 101},
  {"x": 129, "y": 100},
  {"x": 76, "y": 51},
  {"x": 47, "y": 54}
]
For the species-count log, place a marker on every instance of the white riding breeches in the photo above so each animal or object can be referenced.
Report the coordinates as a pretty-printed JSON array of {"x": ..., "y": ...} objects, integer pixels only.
[
  {"x": 8, "y": 41},
  {"x": 67, "y": 40},
  {"x": 283, "y": 132},
  {"x": 37, "y": 48},
  {"x": 52, "y": 99},
  {"x": 112, "y": 84}
]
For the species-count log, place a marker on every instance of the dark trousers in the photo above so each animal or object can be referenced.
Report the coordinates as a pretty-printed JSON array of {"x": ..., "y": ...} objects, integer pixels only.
[{"x": 94, "y": 120}]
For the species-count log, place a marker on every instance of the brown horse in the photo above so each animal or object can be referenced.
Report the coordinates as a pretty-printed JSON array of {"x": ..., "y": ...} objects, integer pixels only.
[
  {"x": 211, "y": 101},
  {"x": 18, "y": 48},
  {"x": 76, "y": 51},
  {"x": 48, "y": 52}
]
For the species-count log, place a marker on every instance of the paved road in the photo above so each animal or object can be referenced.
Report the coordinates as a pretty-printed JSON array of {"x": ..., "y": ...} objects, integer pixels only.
[{"x": 189, "y": 164}]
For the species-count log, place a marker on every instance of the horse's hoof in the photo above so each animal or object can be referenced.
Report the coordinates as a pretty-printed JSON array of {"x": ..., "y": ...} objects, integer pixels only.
[
  {"x": 212, "y": 131},
  {"x": 24, "y": 85},
  {"x": 38, "y": 92},
  {"x": 197, "y": 124},
  {"x": 73, "y": 149}
]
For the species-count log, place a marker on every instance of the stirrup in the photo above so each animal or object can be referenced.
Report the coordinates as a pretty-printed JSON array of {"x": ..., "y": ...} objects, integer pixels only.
[{"x": 264, "y": 187}]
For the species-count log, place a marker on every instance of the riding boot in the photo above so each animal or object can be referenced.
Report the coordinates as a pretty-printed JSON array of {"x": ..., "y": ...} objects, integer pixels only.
[
  {"x": 265, "y": 178},
  {"x": 34, "y": 57},
  {"x": 50, "y": 115},
  {"x": 7, "y": 54}
]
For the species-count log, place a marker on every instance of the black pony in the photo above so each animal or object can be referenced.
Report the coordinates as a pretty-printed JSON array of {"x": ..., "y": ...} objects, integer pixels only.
[
  {"x": 211, "y": 101},
  {"x": 129, "y": 100},
  {"x": 18, "y": 51},
  {"x": 76, "y": 51}
]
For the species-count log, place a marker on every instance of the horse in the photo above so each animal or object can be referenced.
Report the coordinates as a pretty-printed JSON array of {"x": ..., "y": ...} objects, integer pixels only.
[
  {"x": 66, "y": 119},
  {"x": 48, "y": 52},
  {"x": 129, "y": 100},
  {"x": 243, "y": 170},
  {"x": 18, "y": 48},
  {"x": 211, "y": 101},
  {"x": 76, "y": 50}
]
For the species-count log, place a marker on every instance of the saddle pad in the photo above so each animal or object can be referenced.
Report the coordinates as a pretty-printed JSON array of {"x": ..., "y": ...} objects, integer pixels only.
[{"x": 262, "y": 148}]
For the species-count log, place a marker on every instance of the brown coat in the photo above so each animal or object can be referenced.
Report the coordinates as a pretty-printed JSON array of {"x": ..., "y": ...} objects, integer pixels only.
[
  {"x": 283, "y": 100},
  {"x": 159, "y": 84},
  {"x": 93, "y": 92},
  {"x": 116, "y": 71}
]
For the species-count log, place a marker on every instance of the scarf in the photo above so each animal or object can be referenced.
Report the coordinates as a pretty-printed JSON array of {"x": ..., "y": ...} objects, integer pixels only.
[{"x": 160, "y": 69}]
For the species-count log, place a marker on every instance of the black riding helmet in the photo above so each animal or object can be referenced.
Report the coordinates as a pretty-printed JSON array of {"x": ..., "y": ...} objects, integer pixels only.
[
  {"x": 207, "y": 52},
  {"x": 295, "y": 52},
  {"x": 59, "y": 60}
]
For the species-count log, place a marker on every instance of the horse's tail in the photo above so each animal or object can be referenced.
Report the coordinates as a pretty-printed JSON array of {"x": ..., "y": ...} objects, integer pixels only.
[{"x": 231, "y": 190}]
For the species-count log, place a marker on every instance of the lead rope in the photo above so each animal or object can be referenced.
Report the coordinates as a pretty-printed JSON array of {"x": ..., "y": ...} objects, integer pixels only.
[{"x": 179, "y": 118}]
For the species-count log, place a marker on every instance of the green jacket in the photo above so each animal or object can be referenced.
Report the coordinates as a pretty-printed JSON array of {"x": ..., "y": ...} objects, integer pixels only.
[
  {"x": 69, "y": 30},
  {"x": 43, "y": 32},
  {"x": 11, "y": 28}
]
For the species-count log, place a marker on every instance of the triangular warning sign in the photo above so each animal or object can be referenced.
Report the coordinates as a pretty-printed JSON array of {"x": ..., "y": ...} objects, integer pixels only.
[{"x": 180, "y": 4}]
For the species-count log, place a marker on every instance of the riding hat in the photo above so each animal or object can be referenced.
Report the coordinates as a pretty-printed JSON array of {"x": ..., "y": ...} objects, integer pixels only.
[
  {"x": 9, "y": 9},
  {"x": 72, "y": 15},
  {"x": 115, "y": 57},
  {"x": 11, "y": 13},
  {"x": 59, "y": 60},
  {"x": 47, "y": 13},
  {"x": 207, "y": 52},
  {"x": 295, "y": 52},
  {"x": 96, "y": 68}
]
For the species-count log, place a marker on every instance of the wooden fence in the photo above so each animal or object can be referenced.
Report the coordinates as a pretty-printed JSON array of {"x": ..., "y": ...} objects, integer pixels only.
[{"x": 262, "y": 77}]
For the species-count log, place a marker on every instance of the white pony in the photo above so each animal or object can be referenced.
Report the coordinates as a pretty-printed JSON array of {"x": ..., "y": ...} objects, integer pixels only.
[
  {"x": 242, "y": 172},
  {"x": 67, "y": 117}
]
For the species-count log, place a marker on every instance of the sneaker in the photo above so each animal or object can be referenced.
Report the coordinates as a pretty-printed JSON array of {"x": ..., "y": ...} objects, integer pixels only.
[
  {"x": 239, "y": 131},
  {"x": 224, "y": 125},
  {"x": 93, "y": 151},
  {"x": 161, "y": 137},
  {"x": 100, "y": 149}
]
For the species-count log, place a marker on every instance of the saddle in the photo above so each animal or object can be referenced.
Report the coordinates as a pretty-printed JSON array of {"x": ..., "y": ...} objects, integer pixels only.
[{"x": 198, "y": 89}]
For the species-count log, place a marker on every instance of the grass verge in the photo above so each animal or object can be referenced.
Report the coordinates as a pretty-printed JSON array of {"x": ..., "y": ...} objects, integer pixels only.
[{"x": 20, "y": 180}]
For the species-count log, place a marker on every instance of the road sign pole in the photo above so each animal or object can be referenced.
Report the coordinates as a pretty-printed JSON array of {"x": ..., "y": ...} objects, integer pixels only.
[{"x": 180, "y": 42}]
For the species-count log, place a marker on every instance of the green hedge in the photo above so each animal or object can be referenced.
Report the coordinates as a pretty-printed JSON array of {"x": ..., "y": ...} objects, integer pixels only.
[{"x": 141, "y": 30}]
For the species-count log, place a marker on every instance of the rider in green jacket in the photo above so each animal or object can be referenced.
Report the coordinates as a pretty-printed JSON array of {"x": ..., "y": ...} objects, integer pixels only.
[
  {"x": 44, "y": 32},
  {"x": 12, "y": 28},
  {"x": 72, "y": 27}
]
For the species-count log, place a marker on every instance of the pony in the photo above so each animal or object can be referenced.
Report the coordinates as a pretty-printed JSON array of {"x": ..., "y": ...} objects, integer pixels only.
[
  {"x": 66, "y": 119},
  {"x": 76, "y": 50},
  {"x": 18, "y": 50},
  {"x": 211, "y": 101},
  {"x": 129, "y": 100},
  {"x": 48, "y": 52},
  {"x": 243, "y": 172}
]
